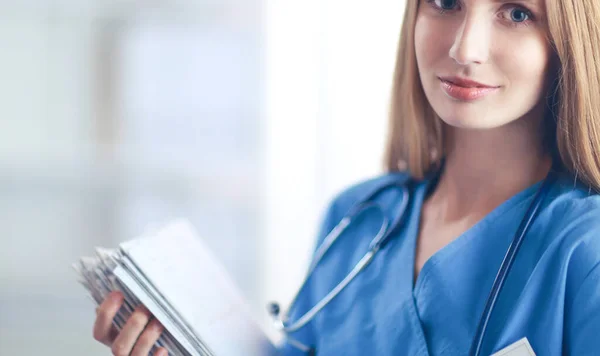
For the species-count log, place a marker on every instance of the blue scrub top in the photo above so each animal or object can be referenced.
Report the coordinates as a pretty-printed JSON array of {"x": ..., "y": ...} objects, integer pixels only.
[{"x": 551, "y": 296}]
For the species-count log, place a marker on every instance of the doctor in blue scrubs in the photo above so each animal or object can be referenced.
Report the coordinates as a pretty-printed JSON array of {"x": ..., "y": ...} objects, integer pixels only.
[
  {"x": 490, "y": 99},
  {"x": 483, "y": 237}
]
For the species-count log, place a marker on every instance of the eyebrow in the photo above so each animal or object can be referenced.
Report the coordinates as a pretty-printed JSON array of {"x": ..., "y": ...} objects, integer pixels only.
[
  {"x": 532, "y": 2},
  {"x": 537, "y": 4}
]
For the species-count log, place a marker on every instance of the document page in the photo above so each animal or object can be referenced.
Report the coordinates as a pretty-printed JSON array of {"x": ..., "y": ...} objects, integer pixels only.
[{"x": 192, "y": 281}]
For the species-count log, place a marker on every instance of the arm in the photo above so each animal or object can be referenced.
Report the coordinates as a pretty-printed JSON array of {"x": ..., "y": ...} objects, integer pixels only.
[{"x": 582, "y": 327}]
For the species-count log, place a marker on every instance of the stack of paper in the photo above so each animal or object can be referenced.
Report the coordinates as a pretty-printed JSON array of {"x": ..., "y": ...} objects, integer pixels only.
[{"x": 179, "y": 280}]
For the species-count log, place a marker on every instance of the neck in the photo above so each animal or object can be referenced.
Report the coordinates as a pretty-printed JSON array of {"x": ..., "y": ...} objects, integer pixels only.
[{"x": 485, "y": 168}]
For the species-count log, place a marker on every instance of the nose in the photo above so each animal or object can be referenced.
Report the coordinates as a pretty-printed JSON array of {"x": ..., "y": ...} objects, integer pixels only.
[{"x": 472, "y": 41}]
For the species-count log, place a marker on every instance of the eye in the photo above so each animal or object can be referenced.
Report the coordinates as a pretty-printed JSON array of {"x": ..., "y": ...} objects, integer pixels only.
[
  {"x": 446, "y": 4},
  {"x": 519, "y": 15}
]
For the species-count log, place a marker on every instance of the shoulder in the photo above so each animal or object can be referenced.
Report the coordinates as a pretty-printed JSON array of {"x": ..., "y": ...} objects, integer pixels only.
[
  {"x": 574, "y": 211},
  {"x": 345, "y": 199},
  {"x": 357, "y": 192},
  {"x": 571, "y": 227}
]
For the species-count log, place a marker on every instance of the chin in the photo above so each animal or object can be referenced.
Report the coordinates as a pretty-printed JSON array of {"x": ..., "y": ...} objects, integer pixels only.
[
  {"x": 465, "y": 119},
  {"x": 468, "y": 115},
  {"x": 464, "y": 123}
]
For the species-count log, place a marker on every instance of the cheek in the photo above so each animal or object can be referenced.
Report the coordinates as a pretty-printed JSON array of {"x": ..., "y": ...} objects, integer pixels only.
[
  {"x": 429, "y": 44},
  {"x": 526, "y": 66}
]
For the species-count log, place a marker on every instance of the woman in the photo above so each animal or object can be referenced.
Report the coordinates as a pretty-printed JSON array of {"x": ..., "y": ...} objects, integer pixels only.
[{"x": 490, "y": 98}]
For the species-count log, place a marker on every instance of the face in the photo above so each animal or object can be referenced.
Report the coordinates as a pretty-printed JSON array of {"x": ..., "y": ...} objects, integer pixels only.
[{"x": 482, "y": 63}]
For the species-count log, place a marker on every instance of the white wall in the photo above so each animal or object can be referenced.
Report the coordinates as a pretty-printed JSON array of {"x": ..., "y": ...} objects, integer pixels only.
[
  {"x": 329, "y": 71},
  {"x": 119, "y": 113},
  {"x": 113, "y": 118}
]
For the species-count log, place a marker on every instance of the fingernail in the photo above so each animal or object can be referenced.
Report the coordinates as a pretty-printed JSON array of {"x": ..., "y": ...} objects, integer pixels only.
[
  {"x": 158, "y": 327},
  {"x": 116, "y": 297}
]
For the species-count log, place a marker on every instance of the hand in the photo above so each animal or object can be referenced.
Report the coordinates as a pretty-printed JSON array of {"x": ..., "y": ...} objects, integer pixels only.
[{"x": 140, "y": 333}]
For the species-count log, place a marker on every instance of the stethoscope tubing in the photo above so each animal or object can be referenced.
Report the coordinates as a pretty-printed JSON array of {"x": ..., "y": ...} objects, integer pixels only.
[
  {"x": 321, "y": 251},
  {"x": 381, "y": 238},
  {"x": 506, "y": 266}
]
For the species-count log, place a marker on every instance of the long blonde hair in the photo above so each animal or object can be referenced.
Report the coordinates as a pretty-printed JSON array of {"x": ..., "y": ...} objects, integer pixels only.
[{"x": 573, "y": 122}]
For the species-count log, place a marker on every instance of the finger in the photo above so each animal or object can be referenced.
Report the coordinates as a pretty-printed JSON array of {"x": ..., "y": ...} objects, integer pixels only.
[
  {"x": 148, "y": 338},
  {"x": 161, "y": 351},
  {"x": 104, "y": 331},
  {"x": 131, "y": 331},
  {"x": 112, "y": 333}
]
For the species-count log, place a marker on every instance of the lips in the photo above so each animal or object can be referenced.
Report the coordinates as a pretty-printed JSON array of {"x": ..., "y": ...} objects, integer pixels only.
[{"x": 465, "y": 89}]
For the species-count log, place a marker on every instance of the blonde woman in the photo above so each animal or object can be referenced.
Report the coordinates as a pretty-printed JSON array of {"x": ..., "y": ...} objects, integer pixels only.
[{"x": 492, "y": 241}]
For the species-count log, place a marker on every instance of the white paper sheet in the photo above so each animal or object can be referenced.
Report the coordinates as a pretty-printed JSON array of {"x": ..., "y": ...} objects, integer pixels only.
[{"x": 180, "y": 281}]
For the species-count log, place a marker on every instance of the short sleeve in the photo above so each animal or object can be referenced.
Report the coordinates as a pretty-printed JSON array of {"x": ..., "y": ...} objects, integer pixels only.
[
  {"x": 304, "y": 301},
  {"x": 582, "y": 329}
]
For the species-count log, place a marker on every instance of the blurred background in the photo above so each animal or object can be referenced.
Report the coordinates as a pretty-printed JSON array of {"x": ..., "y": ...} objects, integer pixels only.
[{"x": 246, "y": 117}]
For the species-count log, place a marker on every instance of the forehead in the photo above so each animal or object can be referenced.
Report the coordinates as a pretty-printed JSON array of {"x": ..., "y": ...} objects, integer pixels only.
[{"x": 514, "y": 2}]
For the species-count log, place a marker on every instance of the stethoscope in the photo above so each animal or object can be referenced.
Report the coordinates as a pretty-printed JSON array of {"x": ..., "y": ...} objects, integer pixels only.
[{"x": 368, "y": 203}]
